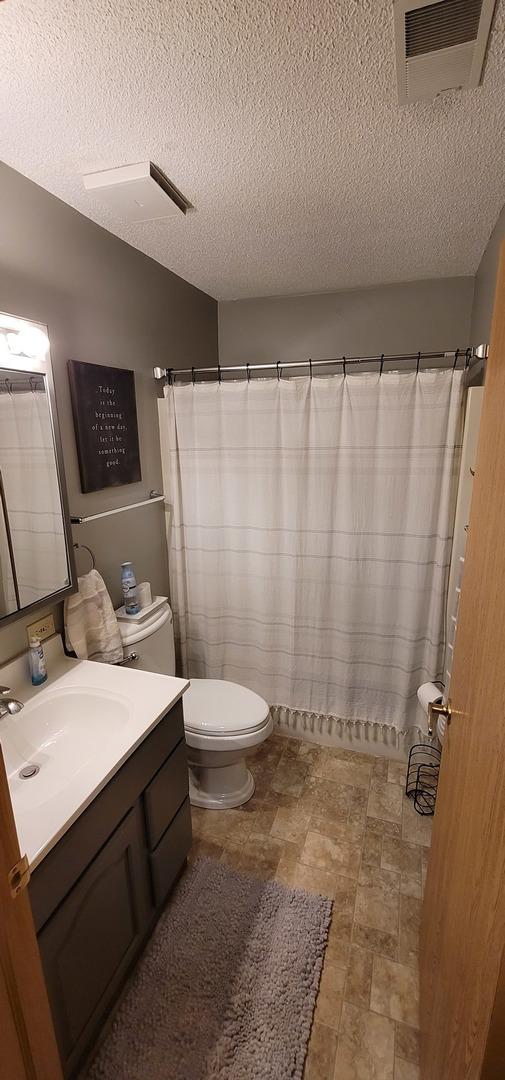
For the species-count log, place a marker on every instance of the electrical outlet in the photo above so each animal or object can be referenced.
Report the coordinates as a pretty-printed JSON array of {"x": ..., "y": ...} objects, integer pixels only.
[{"x": 42, "y": 629}]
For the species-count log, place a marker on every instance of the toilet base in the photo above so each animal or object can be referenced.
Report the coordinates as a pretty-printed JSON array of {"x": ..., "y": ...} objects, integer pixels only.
[{"x": 218, "y": 786}]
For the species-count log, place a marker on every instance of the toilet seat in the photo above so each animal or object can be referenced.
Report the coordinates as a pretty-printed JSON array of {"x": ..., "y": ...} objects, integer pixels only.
[
  {"x": 221, "y": 716},
  {"x": 219, "y": 707}
]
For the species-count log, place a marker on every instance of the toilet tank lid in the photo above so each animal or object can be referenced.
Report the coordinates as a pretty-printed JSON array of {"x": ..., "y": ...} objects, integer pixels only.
[
  {"x": 219, "y": 707},
  {"x": 133, "y": 632},
  {"x": 143, "y": 614}
]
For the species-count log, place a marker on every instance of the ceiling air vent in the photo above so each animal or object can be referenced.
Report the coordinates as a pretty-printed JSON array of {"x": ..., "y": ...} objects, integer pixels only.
[
  {"x": 136, "y": 193},
  {"x": 440, "y": 45}
]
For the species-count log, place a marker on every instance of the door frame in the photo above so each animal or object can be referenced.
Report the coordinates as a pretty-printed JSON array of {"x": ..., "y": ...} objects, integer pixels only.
[
  {"x": 29, "y": 1050},
  {"x": 462, "y": 963}
]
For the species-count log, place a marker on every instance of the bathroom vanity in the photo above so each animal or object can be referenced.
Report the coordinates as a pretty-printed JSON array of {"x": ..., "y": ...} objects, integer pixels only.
[
  {"x": 105, "y": 823},
  {"x": 97, "y": 894}
]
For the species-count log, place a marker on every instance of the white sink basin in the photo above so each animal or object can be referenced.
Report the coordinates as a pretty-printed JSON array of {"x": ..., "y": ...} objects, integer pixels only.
[
  {"x": 60, "y": 732},
  {"x": 77, "y": 729},
  {"x": 71, "y": 721}
]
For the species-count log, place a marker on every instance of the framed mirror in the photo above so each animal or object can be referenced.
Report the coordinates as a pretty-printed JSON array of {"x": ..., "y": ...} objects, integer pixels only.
[{"x": 36, "y": 553}]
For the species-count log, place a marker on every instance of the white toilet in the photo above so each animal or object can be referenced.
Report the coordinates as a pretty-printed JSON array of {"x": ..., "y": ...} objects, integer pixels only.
[{"x": 222, "y": 720}]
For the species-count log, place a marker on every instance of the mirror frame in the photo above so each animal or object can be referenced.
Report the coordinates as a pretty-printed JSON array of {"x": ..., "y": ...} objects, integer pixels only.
[{"x": 44, "y": 367}]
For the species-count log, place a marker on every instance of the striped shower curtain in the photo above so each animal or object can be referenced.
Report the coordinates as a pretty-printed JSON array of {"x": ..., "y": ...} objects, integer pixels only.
[{"x": 310, "y": 535}]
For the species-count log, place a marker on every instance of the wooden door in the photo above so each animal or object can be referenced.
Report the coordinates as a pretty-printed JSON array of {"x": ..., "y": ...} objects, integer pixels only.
[
  {"x": 463, "y": 926},
  {"x": 27, "y": 1043}
]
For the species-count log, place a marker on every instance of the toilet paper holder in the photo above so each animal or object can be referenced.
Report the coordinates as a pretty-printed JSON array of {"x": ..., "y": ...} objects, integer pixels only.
[
  {"x": 436, "y": 709},
  {"x": 422, "y": 777}
]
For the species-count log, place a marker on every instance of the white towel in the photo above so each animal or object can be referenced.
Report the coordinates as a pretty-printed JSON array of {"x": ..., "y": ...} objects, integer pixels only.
[{"x": 91, "y": 628}]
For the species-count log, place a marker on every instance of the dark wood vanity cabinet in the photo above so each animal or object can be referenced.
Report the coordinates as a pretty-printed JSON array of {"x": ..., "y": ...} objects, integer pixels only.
[{"x": 97, "y": 894}]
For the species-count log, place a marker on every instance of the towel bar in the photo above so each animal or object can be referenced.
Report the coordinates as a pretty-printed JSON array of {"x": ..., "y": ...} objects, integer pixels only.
[{"x": 154, "y": 497}]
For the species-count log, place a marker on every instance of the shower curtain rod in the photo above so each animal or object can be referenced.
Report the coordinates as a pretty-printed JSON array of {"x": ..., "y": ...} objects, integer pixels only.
[{"x": 452, "y": 357}]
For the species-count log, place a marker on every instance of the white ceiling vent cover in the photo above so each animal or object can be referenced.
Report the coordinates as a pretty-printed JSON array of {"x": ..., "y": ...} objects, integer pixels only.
[
  {"x": 440, "y": 45},
  {"x": 135, "y": 193}
]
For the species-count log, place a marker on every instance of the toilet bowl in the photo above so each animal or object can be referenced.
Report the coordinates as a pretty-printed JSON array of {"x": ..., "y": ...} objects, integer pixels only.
[{"x": 223, "y": 721}]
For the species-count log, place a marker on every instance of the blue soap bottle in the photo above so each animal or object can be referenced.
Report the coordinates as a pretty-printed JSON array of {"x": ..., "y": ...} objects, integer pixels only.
[{"x": 37, "y": 659}]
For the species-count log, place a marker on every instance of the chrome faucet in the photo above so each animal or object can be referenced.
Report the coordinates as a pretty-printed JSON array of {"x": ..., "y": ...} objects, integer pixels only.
[{"x": 8, "y": 704}]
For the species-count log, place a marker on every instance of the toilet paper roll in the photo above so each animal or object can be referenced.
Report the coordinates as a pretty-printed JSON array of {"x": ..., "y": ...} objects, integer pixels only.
[
  {"x": 429, "y": 691},
  {"x": 144, "y": 594}
]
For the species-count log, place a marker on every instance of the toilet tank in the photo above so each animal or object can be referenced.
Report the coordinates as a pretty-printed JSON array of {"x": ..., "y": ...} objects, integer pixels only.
[{"x": 152, "y": 639}]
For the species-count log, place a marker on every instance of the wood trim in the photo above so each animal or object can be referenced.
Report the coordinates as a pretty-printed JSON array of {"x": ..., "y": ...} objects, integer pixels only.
[
  {"x": 25, "y": 1016},
  {"x": 12, "y": 1064},
  {"x": 17, "y": 1020},
  {"x": 463, "y": 919},
  {"x": 494, "y": 1059}
]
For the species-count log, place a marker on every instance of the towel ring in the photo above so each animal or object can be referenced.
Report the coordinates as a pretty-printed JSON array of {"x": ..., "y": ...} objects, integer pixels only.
[{"x": 84, "y": 547}]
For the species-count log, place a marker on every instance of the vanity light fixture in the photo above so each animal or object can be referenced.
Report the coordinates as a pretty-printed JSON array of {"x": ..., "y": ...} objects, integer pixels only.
[{"x": 23, "y": 345}]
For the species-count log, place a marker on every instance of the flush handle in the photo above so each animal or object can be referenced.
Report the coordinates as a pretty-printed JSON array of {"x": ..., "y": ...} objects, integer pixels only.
[
  {"x": 434, "y": 711},
  {"x": 130, "y": 659}
]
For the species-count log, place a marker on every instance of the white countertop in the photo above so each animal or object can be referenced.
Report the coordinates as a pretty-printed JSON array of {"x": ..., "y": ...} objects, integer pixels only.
[{"x": 79, "y": 727}]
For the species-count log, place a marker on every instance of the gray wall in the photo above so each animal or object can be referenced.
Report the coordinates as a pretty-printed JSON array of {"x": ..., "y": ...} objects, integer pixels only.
[
  {"x": 425, "y": 315},
  {"x": 485, "y": 282},
  {"x": 105, "y": 303}
]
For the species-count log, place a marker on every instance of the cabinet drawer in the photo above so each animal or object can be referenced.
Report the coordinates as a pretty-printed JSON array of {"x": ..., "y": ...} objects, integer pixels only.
[
  {"x": 169, "y": 856},
  {"x": 165, "y": 794}
]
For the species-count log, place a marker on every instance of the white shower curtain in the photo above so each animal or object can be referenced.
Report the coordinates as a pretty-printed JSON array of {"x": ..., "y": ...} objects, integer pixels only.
[{"x": 311, "y": 535}]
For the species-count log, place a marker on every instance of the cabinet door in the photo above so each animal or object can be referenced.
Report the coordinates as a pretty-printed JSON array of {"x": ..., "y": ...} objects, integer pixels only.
[
  {"x": 169, "y": 856},
  {"x": 93, "y": 936}
]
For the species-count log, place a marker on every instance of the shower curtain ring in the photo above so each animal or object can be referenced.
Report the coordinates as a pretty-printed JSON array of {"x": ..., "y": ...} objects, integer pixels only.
[
  {"x": 456, "y": 354},
  {"x": 248, "y": 373},
  {"x": 418, "y": 362},
  {"x": 382, "y": 364},
  {"x": 310, "y": 366},
  {"x": 193, "y": 375},
  {"x": 219, "y": 373},
  {"x": 343, "y": 365},
  {"x": 278, "y": 371},
  {"x": 468, "y": 357}
]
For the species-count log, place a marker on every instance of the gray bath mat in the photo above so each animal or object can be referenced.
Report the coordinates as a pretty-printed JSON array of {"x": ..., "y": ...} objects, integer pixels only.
[{"x": 227, "y": 986}]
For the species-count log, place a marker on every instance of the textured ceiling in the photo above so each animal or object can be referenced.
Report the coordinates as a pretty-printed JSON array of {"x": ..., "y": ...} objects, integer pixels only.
[{"x": 277, "y": 119}]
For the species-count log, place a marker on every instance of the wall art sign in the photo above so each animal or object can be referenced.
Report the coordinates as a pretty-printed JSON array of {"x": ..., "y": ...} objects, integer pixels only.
[{"x": 105, "y": 421}]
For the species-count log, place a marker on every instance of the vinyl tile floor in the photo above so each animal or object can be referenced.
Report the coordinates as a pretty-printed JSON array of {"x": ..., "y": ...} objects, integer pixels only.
[{"x": 337, "y": 822}]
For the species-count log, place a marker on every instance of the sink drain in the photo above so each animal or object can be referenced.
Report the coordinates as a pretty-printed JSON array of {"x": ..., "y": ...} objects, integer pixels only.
[{"x": 28, "y": 771}]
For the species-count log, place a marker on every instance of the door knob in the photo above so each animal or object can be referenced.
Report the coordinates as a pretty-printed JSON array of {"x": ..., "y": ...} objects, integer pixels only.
[{"x": 434, "y": 711}]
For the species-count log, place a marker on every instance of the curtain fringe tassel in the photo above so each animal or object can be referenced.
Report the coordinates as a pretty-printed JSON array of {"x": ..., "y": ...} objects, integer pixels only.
[{"x": 376, "y": 737}]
